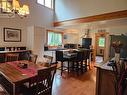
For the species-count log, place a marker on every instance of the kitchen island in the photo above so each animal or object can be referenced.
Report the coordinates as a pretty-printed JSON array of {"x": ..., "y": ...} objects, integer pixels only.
[{"x": 105, "y": 79}]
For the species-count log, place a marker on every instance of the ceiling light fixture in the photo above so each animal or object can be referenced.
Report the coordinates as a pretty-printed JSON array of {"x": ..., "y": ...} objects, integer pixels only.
[{"x": 12, "y": 7}]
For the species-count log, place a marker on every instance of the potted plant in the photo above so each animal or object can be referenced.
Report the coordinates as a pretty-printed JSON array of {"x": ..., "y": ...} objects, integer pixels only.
[{"x": 117, "y": 45}]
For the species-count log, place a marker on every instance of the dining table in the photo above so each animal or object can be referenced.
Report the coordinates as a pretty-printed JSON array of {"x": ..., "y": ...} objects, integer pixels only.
[{"x": 16, "y": 73}]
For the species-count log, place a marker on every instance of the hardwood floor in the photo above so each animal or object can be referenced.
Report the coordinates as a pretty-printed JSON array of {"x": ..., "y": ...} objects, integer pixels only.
[{"x": 75, "y": 85}]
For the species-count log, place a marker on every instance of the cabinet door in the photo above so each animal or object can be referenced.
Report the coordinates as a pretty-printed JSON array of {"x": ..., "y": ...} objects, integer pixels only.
[{"x": 105, "y": 82}]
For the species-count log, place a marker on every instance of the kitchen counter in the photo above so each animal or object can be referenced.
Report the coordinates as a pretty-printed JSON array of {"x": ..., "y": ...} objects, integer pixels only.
[
  {"x": 103, "y": 65},
  {"x": 55, "y": 49}
]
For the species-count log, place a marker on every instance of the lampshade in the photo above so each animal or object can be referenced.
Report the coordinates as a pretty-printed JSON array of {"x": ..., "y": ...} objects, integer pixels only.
[
  {"x": 15, "y": 5},
  {"x": 6, "y": 6},
  {"x": 26, "y": 9}
]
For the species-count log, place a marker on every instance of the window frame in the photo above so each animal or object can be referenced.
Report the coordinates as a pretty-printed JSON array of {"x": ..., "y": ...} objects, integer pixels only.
[
  {"x": 55, "y": 31},
  {"x": 52, "y": 4}
]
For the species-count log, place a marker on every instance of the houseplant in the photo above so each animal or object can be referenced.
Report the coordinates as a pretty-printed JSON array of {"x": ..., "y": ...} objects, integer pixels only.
[{"x": 117, "y": 45}]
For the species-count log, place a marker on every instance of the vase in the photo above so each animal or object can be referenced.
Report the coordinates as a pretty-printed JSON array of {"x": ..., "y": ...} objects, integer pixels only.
[{"x": 117, "y": 57}]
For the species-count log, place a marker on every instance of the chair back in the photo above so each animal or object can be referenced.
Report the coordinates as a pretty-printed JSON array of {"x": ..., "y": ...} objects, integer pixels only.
[
  {"x": 44, "y": 81},
  {"x": 59, "y": 56},
  {"x": 49, "y": 58},
  {"x": 80, "y": 56},
  {"x": 11, "y": 57},
  {"x": 33, "y": 58}
]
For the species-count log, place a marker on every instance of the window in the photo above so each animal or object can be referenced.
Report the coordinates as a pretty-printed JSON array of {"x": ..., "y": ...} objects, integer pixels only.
[
  {"x": 101, "y": 42},
  {"x": 54, "y": 38},
  {"x": 47, "y": 3}
]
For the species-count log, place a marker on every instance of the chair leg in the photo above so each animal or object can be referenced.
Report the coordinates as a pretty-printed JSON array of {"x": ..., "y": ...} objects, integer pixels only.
[
  {"x": 72, "y": 66},
  {"x": 89, "y": 63},
  {"x": 61, "y": 68},
  {"x": 81, "y": 67},
  {"x": 85, "y": 66},
  {"x": 77, "y": 68},
  {"x": 68, "y": 67}
]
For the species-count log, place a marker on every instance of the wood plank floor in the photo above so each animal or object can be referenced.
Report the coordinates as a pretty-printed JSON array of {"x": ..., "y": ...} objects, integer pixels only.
[{"x": 75, "y": 85}]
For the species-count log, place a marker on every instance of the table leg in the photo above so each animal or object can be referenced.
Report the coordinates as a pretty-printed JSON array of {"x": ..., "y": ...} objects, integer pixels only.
[{"x": 61, "y": 68}]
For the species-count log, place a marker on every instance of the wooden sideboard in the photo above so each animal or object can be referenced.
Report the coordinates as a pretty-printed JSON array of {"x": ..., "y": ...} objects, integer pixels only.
[
  {"x": 12, "y": 48},
  {"x": 23, "y": 54}
]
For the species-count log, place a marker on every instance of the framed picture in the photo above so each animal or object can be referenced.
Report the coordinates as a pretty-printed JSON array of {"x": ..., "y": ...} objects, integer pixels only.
[{"x": 12, "y": 35}]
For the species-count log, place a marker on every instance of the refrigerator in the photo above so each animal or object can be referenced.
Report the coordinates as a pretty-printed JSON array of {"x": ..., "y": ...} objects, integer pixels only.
[{"x": 86, "y": 42}]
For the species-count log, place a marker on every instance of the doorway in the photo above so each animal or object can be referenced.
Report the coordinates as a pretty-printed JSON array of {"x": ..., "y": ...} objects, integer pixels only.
[{"x": 100, "y": 46}]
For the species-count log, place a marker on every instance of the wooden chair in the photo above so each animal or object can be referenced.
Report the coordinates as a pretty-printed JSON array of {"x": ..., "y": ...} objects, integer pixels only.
[
  {"x": 42, "y": 83},
  {"x": 49, "y": 58},
  {"x": 11, "y": 57},
  {"x": 33, "y": 58},
  {"x": 2, "y": 91}
]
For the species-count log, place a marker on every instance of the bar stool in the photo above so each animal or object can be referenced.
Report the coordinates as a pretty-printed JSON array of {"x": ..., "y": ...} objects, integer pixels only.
[
  {"x": 60, "y": 57},
  {"x": 78, "y": 62}
]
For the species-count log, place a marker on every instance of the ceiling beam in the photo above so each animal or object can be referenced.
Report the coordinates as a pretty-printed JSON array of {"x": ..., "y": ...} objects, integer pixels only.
[{"x": 101, "y": 17}]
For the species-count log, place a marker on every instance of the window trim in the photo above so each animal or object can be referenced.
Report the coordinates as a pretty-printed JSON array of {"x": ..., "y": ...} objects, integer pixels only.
[
  {"x": 55, "y": 31},
  {"x": 52, "y": 4}
]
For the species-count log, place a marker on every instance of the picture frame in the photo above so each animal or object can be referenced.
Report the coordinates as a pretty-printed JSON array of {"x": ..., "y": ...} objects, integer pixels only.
[{"x": 12, "y": 35}]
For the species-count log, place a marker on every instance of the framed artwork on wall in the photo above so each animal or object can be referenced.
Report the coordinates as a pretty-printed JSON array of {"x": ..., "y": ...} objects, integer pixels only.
[{"x": 12, "y": 35}]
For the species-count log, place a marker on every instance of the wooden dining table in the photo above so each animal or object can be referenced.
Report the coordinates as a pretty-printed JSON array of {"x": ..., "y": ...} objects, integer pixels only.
[{"x": 12, "y": 75}]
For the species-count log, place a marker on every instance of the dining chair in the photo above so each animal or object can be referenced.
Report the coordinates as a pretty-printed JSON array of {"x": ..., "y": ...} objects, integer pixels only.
[
  {"x": 48, "y": 58},
  {"x": 33, "y": 58},
  {"x": 42, "y": 83},
  {"x": 11, "y": 57},
  {"x": 2, "y": 91}
]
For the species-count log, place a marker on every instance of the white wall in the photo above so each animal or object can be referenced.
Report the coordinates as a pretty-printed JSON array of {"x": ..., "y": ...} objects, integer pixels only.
[
  {"x": 13, "y": 23},
  {"x": 37, "y": 39},
  {"x": 72, "y": 38},
  {"x": 39, "y": 16},
  {"x": 71, "y": 9}
]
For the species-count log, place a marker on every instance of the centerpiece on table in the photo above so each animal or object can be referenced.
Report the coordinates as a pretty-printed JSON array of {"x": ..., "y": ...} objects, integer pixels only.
[{"x": 117, "y": 45}]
